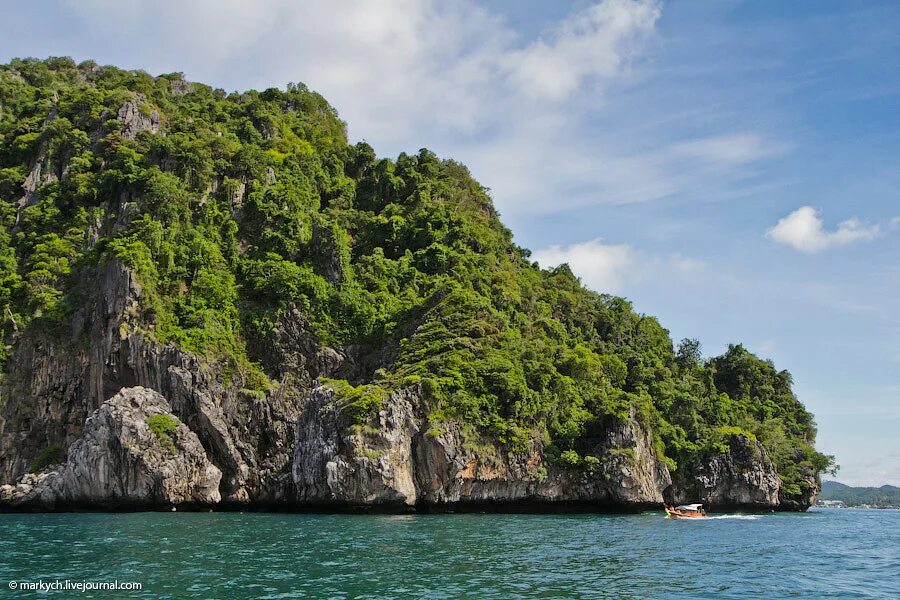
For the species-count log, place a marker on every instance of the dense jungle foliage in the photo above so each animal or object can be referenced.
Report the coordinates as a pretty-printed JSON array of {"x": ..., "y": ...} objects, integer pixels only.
[{"x": 233, "y": 207}]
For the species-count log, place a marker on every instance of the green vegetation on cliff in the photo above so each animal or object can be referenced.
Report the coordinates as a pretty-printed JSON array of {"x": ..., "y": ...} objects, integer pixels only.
[{"x": 234, "y": 208}]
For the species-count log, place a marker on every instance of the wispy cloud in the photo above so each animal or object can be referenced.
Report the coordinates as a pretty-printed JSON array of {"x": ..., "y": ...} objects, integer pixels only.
[
  {"x": 391, "y": 66},
  {"x": 457, "y": 77},
  {"x": 546, "y": 166},
  {"x": 805, "y": 231},
  {"x": 593, "y": 43},
  {"x": 730, "y": 149}
]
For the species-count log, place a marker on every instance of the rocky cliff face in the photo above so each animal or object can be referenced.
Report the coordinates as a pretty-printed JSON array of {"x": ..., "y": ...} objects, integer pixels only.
[
  {"x": 398, "y": 458},
  {"x": 806, "y": 500},
  {"x": 136, "y": 116},
  {"x": 91, "y": 390}
]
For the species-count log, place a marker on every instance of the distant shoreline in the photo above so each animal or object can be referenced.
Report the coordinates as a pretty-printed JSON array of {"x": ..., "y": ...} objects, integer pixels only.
[{"x": 838, "y": 495}]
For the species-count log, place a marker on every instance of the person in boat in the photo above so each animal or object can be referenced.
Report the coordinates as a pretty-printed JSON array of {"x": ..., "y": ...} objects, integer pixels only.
[{"x": 685, "y": 511}]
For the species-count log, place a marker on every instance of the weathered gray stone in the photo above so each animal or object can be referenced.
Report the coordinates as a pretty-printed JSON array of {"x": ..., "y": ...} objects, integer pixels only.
[
  {"x": 179, "y": 87},
  {"x": 120, "y": 461},
  {"x": 327, "y": 258},
  {"x": 40, "y": 173},
  {"x": 135, "y": 116},
  {"x": 337, "y": 465}
]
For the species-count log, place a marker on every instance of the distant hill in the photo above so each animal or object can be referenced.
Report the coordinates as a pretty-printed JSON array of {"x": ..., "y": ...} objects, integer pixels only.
[{"x": 853, "y": 496}]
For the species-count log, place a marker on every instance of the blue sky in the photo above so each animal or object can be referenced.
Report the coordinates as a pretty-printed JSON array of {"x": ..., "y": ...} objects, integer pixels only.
[{"x": 731, "y": 167}]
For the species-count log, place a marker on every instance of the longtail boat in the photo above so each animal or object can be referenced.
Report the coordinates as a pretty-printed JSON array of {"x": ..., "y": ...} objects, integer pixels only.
[{"x": 685, "y": 511}]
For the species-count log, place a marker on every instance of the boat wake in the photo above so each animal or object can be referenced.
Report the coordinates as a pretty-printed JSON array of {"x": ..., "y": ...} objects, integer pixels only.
[{"x": 739, "y": 517}]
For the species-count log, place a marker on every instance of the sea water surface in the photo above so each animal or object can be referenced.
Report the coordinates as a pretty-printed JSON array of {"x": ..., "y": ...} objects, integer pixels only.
[{"x": 820, "y": 554}]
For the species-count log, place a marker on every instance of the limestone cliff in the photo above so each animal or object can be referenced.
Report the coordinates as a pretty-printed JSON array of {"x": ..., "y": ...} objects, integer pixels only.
[{"x": 397, "y": 458}]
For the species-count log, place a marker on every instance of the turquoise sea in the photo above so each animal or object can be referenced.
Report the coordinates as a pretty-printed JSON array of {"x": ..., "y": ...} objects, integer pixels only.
[{"x": 819, "y": 554}]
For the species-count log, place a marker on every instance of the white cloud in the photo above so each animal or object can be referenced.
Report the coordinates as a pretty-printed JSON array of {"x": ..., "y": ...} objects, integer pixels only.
[
  {"x": 601, "y": 267},
  {"x": 391, "y": 66},
  {"x": 804, "y": 230},
  {"x": 611, "y": 268},
  {"x": 546, "y": 166}
]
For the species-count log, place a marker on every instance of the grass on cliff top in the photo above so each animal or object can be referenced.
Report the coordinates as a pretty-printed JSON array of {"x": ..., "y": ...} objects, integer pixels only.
[{"x": 164, "y": 427}]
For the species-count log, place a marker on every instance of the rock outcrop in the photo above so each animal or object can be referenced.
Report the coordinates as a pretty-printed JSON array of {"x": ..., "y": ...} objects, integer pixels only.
[
  {"x": 335, "y": 464},
  {"x": 809, "y": 492},
  {"x": 41, "y": 171},
  {"x": 743, "y": 477},
  {"x": 136, "y": 116},
  {"x": 120, "y": 461}
]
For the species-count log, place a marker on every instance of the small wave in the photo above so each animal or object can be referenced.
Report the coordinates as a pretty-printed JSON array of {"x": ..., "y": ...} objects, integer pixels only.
[{"x": 740, "y": 517}]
